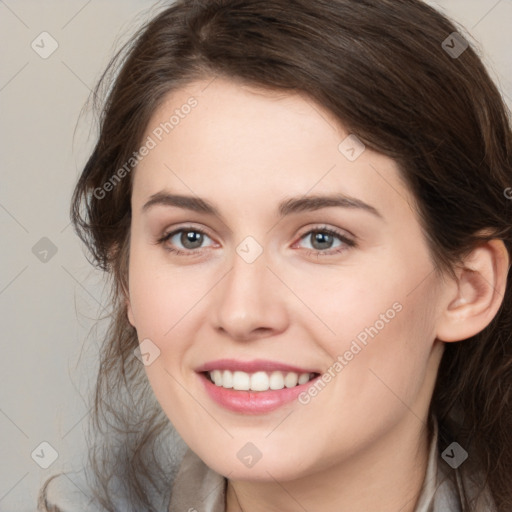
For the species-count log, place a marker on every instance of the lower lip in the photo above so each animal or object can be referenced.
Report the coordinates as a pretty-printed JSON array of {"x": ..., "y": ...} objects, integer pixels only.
[{"x": 252, "y": 402}]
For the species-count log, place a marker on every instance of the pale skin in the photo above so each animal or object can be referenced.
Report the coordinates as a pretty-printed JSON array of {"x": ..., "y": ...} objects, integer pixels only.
[{"x": 361, "y": 444}]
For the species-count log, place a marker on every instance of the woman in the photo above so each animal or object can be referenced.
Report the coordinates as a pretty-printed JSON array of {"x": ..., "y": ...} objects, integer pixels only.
[{"x": 369, "y": 373}]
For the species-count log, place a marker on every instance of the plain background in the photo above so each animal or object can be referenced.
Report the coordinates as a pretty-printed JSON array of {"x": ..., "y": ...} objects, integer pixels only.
[{"x": 49, "y": 300}]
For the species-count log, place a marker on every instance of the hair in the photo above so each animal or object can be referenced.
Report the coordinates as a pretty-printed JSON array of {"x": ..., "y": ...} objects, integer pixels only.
[{"x": 380, "y": 68}]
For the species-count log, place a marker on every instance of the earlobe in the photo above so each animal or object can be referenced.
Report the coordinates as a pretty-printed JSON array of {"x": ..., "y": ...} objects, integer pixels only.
[
  {"x": 476, "y": 296},
  {"x": 129, "y": 313}
]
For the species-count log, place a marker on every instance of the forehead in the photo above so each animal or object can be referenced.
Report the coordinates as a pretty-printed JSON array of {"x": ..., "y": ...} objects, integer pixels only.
[{"x": 242, "y": 145}]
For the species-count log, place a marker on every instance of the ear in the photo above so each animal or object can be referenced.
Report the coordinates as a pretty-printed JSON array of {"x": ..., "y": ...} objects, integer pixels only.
[
  {"x": 129, "y": 312},
  {"x": 474, "y": 298}
]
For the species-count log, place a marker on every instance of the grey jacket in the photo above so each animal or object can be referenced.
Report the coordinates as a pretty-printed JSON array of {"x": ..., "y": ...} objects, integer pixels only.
[{"x": 197, "y": 488}]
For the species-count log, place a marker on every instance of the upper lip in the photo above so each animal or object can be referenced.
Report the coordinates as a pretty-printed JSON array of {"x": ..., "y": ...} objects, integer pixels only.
[{"x": 251, "y": 366}]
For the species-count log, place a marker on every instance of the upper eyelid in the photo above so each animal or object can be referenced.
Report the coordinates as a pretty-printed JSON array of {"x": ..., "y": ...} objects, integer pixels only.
[
  {"x": 320, "y": 228},
  {"x": 175, "y": 231}
]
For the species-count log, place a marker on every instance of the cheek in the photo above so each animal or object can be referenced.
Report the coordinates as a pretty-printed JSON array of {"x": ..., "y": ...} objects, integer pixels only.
[
  {"x": 351, "y": 303},
  {"x": 160, "y": 295},
  {"x": 163, "y": 307},
  {"x": 383, "y": 361},
  {"x": 381, "y": 333}
]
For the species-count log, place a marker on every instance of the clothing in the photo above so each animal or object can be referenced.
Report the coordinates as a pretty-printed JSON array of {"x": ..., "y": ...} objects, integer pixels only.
[{"x": 197, "y": 488}]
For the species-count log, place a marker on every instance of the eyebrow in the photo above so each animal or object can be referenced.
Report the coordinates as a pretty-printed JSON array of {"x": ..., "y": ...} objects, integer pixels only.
[{"x": 286, "y": 207}]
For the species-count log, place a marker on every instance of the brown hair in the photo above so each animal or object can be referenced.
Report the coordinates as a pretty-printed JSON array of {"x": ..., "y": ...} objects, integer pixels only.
[{"x": 379, "y": 66}]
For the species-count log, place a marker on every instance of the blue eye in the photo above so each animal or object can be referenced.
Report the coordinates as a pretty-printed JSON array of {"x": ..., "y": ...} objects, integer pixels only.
[
  {"x": 192, "y": 239},
  {"x": 324, "y": 236}
]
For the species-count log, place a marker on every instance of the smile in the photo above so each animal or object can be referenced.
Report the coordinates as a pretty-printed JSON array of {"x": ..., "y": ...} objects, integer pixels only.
[
  {"x": 254, "y": 387},
  {"x": 258, "y": 381}
]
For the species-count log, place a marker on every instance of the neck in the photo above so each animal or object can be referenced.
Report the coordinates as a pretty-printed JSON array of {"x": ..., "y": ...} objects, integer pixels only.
[{"x": 387, "y": 477}]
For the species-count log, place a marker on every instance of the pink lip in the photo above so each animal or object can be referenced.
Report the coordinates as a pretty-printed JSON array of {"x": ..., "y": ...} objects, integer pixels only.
[
  {"x": 251, "y": 366},
  {"x": 252, "y": 402}
]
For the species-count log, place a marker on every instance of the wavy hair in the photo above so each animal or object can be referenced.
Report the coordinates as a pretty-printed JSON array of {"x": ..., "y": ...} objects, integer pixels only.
[{"x": 379, "y": 66}]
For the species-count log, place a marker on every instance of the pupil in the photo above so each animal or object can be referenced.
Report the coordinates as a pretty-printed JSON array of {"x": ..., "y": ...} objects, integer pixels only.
[
  {"x": 191, "y": 237},
  {"x": 323, "y": 238}
]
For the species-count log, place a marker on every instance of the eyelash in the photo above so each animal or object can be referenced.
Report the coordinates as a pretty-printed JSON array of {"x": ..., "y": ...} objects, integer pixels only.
[{"x": 348, "y": 243}]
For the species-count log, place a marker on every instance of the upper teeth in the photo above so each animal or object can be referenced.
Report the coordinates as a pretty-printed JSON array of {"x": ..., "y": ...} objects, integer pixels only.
[{"x": 259, "y": 381}]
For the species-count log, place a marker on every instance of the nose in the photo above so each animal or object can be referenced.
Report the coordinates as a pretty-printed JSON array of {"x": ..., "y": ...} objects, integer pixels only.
[{"x": 249, "y": 302}]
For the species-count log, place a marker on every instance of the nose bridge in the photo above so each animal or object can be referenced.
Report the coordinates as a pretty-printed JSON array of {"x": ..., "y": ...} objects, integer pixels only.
[{"x": 248, "y": 300}]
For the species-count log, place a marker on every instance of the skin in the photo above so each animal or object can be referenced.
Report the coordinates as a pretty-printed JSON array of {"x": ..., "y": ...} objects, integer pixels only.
[{"x": 245, "y": 150}]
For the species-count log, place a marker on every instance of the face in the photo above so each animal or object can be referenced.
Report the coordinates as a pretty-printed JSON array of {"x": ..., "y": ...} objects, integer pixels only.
[{"x": 251, "y": 277}]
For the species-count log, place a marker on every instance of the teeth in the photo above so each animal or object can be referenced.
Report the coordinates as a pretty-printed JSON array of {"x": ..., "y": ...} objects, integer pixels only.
[
  {"x": 227, "y": 379},
  {"x": 276, "y": 380},
  {"x": 303, "y": 378},
  {"x": 291, "y": 379},
  {"x": 216, "y": 376},
  {"x": 241, "y": 381},
  {"x": 258, "y": 381}
]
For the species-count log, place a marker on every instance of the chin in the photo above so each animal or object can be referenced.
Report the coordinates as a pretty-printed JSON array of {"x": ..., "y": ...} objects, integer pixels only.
[{"x": 267, "y": 469}]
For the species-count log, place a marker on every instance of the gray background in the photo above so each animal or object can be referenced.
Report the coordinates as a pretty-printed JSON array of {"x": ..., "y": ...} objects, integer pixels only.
[{"x": 49, "y": 302}]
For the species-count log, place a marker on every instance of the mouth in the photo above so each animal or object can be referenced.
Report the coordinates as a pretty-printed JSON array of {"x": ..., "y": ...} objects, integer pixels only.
[
  {"x": 259, "y": 380},
  {"x": 254, "y": 387}
]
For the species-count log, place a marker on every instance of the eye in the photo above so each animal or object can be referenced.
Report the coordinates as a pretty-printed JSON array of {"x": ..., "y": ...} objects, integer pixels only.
[
  {"x": 191, "y": 239},
  {"x": 322, "y": 241}
]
